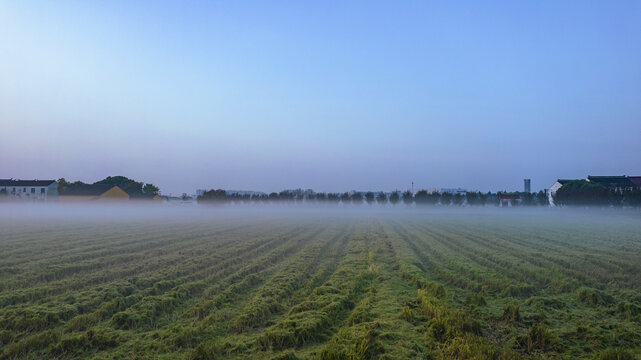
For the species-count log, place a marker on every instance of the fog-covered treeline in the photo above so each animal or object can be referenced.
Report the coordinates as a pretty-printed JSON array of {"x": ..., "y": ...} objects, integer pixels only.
[{"x": 379, "y": 198}]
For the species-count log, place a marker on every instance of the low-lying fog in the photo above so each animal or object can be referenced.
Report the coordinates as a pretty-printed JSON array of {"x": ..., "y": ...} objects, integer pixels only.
[{"x": 41, "y": 213}]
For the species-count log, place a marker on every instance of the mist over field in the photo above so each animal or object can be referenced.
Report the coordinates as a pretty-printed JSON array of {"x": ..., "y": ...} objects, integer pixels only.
[
  {"x": 99, "y": 212},
  {"x": 298, "y": 282}
]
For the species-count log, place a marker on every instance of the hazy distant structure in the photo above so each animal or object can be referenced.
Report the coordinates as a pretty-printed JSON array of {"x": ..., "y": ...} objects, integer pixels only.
[
  {"x": 40, "y": 190},
  {"x": 509, "y": 200},
  {"x": 526, "y": 186},
  {"x": 244, "y": 192},
  {"x": 614, "y": 183},
  {"x": 453, "y": 191}
]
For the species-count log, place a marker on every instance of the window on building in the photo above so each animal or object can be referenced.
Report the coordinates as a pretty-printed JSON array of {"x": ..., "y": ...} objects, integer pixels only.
[
  {"x": 42, "y": 190},
  {"x": 33, "y": 190},
  {"x": 24, "y": 189}
]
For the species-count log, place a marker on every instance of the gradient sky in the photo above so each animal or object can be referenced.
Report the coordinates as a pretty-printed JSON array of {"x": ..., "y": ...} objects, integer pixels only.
[{"x": 332, "y": 96}]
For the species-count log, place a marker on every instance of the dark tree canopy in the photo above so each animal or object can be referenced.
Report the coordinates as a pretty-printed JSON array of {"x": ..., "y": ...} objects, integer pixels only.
[
  {"x": 446, "y": 198},
  {"x": 369, "y": 197},
  {"x": 150, "y": 189},
  {"x": 542, "y": 198},
  {"x": 528, "y": 199},
  {"x": 582, "y": 193},
  {"x": 394, "y": 198},
  {"x": 408, "y": 198},
  {"x": 129, "y": 186},
  {"x": 357, "y": 198},
  {"x": 457, "y": 199},
  {"x": 215, "y": 196}
]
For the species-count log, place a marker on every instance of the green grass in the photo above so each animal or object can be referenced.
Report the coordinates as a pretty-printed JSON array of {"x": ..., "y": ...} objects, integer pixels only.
[{"x": 317, "y": 286}]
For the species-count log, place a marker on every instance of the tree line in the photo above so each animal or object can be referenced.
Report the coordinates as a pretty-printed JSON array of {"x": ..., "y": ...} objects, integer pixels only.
[
  {"x": 132, "y": 187},
  {"x": 420, "y": 198}
]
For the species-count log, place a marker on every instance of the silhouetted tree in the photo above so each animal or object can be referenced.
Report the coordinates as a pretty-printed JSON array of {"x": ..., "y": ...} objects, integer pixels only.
[
  {"x": 211, "y": 196},
  {"x": 381, "y": 198},
  {"x": 583, "y": 193},
  {"x": 357, "y": 198},
  {"x": 483, "y": 198},
  {"x": 345, "y": 198},
  {"x": 63, "y": 185},
  {"x": 446, "y": 199},
  {"x": 286, "y": 195},
  {"x": 527, "y": 199},
  {"x": 433, "y": 198},
  {"x": 369, "y": 197},
  {"x": 408, "y": 198},
  {"x": 421, "y": 197},
  {"x": 150, "y": 189},
  {"x": 333, "y": 197},
  {"x": 457, "y": 199},
  {"x": 129, "y": 186},
  {"x": 542, "y": 198},
  {"x": 473, "y": 198},
  {"x": 394, "y": 198},
  {"x": 632, "y": 198}
]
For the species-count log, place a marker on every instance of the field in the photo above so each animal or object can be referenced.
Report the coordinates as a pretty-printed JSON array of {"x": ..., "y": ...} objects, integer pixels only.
[{"x": 322, "y": 285}]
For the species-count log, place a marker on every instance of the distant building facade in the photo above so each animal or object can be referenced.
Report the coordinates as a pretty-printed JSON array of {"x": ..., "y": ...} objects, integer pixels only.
[
  {"x": 509, "y": 200},
  {"x": 36, "y": 190},
  {"x": 526, "y": 186},
  {"x": 615, "y": 183}
]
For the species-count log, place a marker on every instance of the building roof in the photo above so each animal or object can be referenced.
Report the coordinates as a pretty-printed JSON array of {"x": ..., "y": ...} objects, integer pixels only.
[
  {"x": 635, "y": 180},
  {"x": 16, "y": 182},
  {"x": 612, "y": 181},
  {"x": 86, "y": 190}
]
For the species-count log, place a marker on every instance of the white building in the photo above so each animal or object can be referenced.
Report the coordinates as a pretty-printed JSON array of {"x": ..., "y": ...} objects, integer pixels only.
[{"x": 29, "y": 189}]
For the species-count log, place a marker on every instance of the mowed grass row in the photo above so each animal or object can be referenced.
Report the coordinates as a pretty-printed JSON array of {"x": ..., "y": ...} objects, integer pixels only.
[
  {"x": 151, "y": 287},
  {"x": 530, "y": 293},
  {"x": 423, "y": 286}
]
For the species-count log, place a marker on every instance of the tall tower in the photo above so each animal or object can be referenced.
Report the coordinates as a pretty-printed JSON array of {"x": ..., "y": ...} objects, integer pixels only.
[{"x": 526, "y": 185}]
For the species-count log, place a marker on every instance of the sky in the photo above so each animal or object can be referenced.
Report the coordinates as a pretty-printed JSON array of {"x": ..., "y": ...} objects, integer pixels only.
[{"x": 333, "y": 96}]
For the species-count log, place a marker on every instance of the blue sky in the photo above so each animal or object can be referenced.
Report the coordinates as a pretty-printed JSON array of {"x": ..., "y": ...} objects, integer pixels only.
[{"x": 325, "y": 95}]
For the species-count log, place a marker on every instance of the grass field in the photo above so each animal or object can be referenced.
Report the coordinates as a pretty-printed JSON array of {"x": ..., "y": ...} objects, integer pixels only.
[{"x": 416, "y": 285}]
